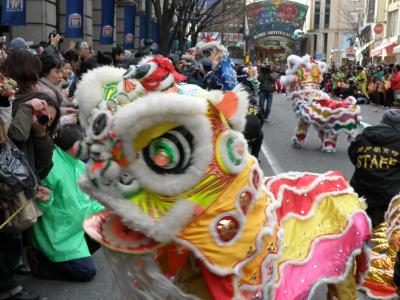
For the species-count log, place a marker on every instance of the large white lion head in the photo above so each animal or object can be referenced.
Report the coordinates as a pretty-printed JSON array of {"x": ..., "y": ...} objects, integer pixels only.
[{"x": 164, "y": 156}]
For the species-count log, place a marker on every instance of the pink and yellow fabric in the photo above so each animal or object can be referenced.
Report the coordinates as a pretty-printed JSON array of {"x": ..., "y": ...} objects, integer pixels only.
[
  {"x": 189, "y": 215},
  {"x": 321, "y": 218}
]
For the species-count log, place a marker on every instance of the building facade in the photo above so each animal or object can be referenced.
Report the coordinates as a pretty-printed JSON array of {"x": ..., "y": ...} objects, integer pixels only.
[
  {"x": 386, "y": 31},
  {"x": 231, "y": 31},
  {"x": 331, "y": 29},
  {"x": 44, "y": 16}
]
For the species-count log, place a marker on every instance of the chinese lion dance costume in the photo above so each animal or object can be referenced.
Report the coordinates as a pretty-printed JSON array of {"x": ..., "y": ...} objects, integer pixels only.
[
  {"x": 189, "y": 213},
  {"x": 385, "y": 245},
  {"x": 314, "y": 108},
  {"x": 223, "y": 68}
]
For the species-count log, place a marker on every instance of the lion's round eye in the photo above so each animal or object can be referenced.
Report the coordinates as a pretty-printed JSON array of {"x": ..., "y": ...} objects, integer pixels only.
[
  {"x": 99, "y": 124},
  {"x": 207, "y": 53},
  {"x": 170, "y": 153}
]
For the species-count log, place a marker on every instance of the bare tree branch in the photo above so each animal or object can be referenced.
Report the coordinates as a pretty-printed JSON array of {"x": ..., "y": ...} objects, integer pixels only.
[{"x": 175, "y": 16}]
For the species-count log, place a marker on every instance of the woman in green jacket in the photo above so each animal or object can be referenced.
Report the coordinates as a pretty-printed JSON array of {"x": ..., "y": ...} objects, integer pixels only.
[{"x": 61, "y": 250}]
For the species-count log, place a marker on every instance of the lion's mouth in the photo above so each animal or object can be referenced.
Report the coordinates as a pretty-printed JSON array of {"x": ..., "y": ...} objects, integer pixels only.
[{"x": 110, "y": 231}]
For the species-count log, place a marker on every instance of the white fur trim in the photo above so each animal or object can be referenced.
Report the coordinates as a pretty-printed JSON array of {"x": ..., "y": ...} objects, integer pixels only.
[
  {"x": 303, "y": 95},
  {"x": 294, "y": 62},
  {"x": 238, "y": 122},
  {"x": 221, "y": 146},
  {"x": 138, "y": 277},
  {"x": 205, "y": 45},
  {"x": 162, "y": 230},
  {"x": 215, "y": 96},
  {"x": 368, "y": 254},
  {"x": 287, "y": 80},
  {"x": 159, "y": 108},
  {"x": 89, "y": 92}
]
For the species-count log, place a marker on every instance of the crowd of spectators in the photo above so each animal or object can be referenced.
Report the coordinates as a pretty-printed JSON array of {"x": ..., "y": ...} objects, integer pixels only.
[{"x": 376, "y": 84}]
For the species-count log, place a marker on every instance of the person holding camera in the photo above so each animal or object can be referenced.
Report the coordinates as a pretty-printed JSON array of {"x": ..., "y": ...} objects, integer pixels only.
[
  {"x": 54, "y": 42},
  {"x": 267, "y": 80},
  {"x": 34, "y": 114},
  {"x": 34, "y": 117}
]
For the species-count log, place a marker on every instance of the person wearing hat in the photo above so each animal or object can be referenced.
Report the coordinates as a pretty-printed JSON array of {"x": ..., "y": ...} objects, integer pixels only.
[
  {"x": 19, "y": 43},
  {"x": 375, "y": 154}
]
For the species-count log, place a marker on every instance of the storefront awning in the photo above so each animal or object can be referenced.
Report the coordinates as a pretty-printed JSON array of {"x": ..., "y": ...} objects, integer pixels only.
[
  {"x": 396, "y": 50},
  {"x": 388, "y": 47}
]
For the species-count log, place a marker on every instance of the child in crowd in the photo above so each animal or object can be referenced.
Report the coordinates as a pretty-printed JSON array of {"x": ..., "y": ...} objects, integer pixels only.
[{"x": 61, "y": 250}]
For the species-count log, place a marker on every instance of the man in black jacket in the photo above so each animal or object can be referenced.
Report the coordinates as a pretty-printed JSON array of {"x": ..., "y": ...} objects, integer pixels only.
[
  {"x": 375, "y": 153},
  {"x": 254, "y": 122},
  {"x": 267, "y": 80}
]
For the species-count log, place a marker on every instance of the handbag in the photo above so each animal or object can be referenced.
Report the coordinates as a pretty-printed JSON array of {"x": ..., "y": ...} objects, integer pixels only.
[
  {"x": 20, "y": 213},
  {"x": 18, "y": 186}
]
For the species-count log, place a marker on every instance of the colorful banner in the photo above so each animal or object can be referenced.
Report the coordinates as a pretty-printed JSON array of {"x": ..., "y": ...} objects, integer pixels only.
[
  {"x": 107, "y": 22},
  {"x": 129, "y": 26},
  {"x": 13, "y": 12},
  {"x": 275, "y": 18},
  {"x": 142, "y": 31},
  {"x": 154, "y": 32},
  {"x": 74, "y": 19}
]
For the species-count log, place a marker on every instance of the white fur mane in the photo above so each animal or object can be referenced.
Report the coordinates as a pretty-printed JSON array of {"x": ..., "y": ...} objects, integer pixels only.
[{"x": 89, "y": 92}]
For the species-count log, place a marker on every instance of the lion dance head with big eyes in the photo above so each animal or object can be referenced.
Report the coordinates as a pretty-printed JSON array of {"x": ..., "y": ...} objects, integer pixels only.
[{"x": 189, "y": 213}]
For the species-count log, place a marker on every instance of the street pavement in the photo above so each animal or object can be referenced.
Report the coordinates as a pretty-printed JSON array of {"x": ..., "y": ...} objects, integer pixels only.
[{"x": 277, "y": 157}]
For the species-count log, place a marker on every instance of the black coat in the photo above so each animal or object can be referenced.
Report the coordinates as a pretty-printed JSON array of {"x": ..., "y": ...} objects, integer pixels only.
[
  {"x": 254, "y": 122},
  {"x": 267, "y": 81},
  {"x": 375, "y": 153}
]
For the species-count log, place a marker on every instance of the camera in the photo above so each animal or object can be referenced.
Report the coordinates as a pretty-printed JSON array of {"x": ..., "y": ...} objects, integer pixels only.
[
  {"x": 42, "y": 117},
  {"x": 55, "y": 33}
]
